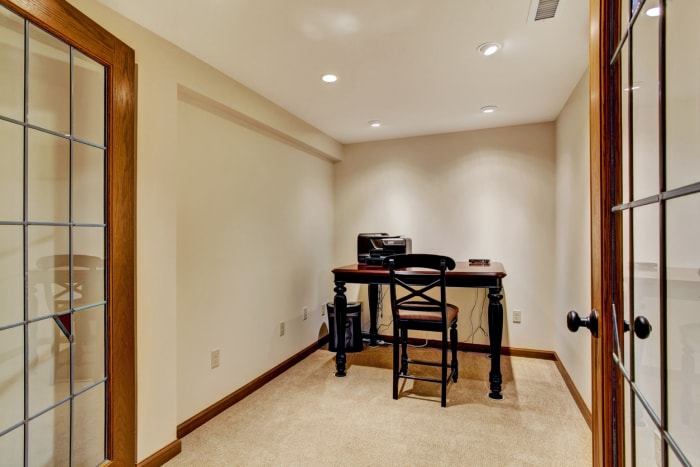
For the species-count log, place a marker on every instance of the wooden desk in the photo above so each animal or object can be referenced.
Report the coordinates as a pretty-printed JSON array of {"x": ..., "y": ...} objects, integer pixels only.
[{"x": 464, "y": 275}]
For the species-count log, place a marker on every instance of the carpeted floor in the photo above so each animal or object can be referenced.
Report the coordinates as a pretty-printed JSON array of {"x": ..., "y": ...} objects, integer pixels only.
[{"x": 309, "y": 417}]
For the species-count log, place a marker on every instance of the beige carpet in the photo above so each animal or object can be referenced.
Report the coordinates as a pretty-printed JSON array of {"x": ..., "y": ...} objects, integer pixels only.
[{"x": 309, "y": 417}]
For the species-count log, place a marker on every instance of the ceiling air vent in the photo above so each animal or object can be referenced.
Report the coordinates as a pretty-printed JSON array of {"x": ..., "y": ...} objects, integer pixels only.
[{"x": 543, "y": 9}]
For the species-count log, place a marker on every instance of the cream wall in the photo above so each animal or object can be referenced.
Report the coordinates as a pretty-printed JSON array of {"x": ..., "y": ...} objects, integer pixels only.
[
  {"x": 493, "y": 192},
  {"x": 163, "y": 287},
  {"x": 253, "y": 249},
  {"x": 487, "y": 193},
  {"x": 573, "y": 233}
]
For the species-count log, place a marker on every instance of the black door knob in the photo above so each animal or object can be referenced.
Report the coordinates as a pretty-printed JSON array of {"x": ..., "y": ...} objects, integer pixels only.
[
  {"x": 642, "y": 327},
  {"x": 574, "y": 321}
]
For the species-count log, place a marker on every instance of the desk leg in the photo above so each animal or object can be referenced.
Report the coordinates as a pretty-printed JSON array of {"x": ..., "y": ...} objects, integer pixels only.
[
  {"x": 373, "y": 297},
  {"x": 495, "y": 337},
  {"x": 340, "y": 304}
]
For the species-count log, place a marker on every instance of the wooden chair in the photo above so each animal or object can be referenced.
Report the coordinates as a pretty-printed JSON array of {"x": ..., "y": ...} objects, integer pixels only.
[{"x": 418, "y": 311}]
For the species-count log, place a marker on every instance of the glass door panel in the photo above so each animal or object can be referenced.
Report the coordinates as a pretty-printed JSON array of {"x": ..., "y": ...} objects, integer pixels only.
[
  {"x": 660, "y": 222},
  {"x": 647, "y": 439},
  {"x": 645, "y": 104},
  {"x": 645, "y": 301},
  {"x": 628, "y": 89},
  {"x": 53, "y": 308},
  {"x": 683, "y": 323},
  {"x": 682, "y": 94}
]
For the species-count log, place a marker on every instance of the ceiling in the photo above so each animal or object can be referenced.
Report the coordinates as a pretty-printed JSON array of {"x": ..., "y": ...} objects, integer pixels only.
[{"x": 412, "y": 64}]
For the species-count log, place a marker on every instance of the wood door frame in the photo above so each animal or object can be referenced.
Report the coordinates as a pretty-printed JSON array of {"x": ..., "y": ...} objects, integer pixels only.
[
  {"x": 74, "y": 28},
  {"x": 608, "y": 441}
]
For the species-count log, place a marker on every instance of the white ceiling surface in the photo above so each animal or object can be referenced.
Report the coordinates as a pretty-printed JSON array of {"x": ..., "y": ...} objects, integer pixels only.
[{"x": 411, "y": 64}]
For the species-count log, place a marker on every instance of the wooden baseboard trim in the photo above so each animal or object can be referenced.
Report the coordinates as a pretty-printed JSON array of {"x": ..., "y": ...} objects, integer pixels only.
[
  {"x": 574, "y": 392},
  {"x": 483, "y": 348},
  {"x": 212, "y": 411},
  {"x": 164, "y": 455}
]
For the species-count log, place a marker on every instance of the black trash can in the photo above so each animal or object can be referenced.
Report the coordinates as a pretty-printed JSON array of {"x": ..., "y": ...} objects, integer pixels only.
[{"x": 353, "y": 327}]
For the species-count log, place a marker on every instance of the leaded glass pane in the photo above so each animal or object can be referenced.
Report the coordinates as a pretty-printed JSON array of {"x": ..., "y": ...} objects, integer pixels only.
[
  {"x": 12, "y": 69},
  {"x": 646, "y": 301},
  {"x": 11, "y": 171},
  {"x": 682, "y": 93},
  {"x": 683, "y": 323},
  {"x": 89, "y": 347},
  {"x": 88, "y": 99},
  {"x": 645, "y": 105},
  {"x": 11, "y": 377},
  {"x": 49, "y": 438},
  {"x": 48, "y": 177},
  {"x": 88, "y": 184},
  {"x": 49, "y": 365},
  {"x": 11, "y": 276},
  {"x": 89, "y": 427},
  {"x": 49, "y": 283},
  {"x": 12, "y": 447},
  {"x": 49, "y": 99}
]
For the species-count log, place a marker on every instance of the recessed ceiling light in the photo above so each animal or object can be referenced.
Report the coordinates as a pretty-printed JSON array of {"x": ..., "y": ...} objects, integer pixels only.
[
  {"x": 488, "y": 109},
  {"x": 329, "y": 78},
  {"x": 654, "y": 11},
  {"x": 375, "y": 123},
  {"x": 489, "y": 48}
]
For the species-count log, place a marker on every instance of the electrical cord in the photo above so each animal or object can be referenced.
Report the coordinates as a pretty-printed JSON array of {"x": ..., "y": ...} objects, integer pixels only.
[{"x": 480, "y": 327}]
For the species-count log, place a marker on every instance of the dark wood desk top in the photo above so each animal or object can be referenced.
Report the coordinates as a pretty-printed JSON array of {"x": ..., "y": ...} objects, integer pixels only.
[{"x": 463, "y": 275}]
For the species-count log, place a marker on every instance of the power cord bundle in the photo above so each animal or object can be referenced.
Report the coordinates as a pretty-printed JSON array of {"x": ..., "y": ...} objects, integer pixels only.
[{"x": 480, "y": 326}]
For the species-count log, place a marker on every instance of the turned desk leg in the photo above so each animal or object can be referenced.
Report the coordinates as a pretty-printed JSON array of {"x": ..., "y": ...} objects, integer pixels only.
[
  {"x": 340, "y": 304},
  {"x": 495, "y": 337}
]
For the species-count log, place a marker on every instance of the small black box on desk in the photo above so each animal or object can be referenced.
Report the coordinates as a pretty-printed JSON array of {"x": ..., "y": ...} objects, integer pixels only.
[{"x": 353, "y": 327}]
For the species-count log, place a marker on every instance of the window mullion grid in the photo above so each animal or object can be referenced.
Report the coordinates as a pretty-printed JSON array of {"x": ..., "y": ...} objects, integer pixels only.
[
  {"x": 663, "y": 270},
  {"x": 25, "y": 240}
]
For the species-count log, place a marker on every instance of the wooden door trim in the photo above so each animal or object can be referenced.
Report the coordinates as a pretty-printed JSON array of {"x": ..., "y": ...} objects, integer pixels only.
[
  {"x": 71, "y": 26},
  {"x": 605, "y": 254}
]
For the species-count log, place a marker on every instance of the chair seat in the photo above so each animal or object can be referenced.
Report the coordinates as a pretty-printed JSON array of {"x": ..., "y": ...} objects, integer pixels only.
[{"x": 429, "y": 315}]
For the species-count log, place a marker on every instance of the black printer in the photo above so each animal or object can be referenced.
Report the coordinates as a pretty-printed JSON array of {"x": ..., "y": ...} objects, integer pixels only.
[{"x": 372, "y": 248}]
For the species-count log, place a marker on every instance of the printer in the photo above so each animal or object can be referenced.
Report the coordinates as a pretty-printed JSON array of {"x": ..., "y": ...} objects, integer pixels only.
[{"x": 372, "y": 248}]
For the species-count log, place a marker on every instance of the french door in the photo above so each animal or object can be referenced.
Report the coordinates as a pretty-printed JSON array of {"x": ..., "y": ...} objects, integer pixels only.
[
  {"x": 645, "y": 65},
  {"x": 67, "y": 393}
]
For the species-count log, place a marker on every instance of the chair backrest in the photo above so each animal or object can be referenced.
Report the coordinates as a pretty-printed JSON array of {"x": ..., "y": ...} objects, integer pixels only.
[{"x": 417, "y": 283}]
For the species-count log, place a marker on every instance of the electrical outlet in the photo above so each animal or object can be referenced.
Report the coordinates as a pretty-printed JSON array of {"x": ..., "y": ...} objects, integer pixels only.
[
  {"x": 215, "y": 358},
  {"x": 281, "y": 328},
  {"x": 306, "y": 313},
  {"x": 517, "y": 316}
]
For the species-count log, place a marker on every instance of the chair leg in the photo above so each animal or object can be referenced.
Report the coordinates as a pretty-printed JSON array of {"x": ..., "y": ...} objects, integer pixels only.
[
  {"x": 455, "y": 362},
  {"x": 404, "y": 350},
  {"x": 395, "y": 365},
  {"x": 443, "y": 382}
]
